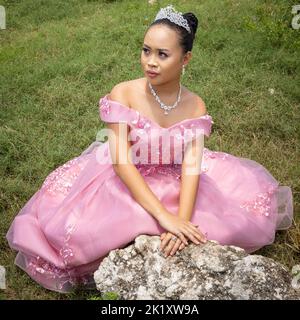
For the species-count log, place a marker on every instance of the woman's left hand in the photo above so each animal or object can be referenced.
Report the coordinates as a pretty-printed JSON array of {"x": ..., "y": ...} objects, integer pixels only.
[{"x": 170, "y": 246}]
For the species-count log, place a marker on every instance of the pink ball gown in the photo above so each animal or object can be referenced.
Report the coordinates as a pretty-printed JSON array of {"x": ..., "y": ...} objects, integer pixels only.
[{"x": 83, "y": 210}]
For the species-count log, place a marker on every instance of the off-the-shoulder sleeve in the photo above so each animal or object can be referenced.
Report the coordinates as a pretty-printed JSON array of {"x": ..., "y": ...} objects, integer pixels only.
[
  {"x": 112, "y": 111},
  {"x": 207, "y": 126},
  {"x": 203, "y": 124}
]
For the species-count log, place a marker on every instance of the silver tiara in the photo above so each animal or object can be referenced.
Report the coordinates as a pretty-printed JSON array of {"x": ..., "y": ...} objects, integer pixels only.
[{"x": 171, "y": 14}]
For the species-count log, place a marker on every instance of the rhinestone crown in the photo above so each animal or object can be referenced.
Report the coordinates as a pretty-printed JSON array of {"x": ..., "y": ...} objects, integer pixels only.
[{"x": 171, "y": 14}]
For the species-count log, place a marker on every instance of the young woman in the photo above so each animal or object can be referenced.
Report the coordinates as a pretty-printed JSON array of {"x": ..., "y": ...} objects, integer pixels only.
[{"x": 124, "y": 187}]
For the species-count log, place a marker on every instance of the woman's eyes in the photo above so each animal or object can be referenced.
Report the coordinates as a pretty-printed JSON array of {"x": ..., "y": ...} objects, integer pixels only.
[{"x": 145, "y": 50}]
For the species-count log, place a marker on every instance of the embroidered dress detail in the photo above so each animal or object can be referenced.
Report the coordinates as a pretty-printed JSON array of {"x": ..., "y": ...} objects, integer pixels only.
[
  {"x": 261, "y": 204},
  {"x": 62, "y": 178},
  {"x": 38, "y": 266},
  {"x": 164, "y": 169},
  {"x": 215, "y": 154}
]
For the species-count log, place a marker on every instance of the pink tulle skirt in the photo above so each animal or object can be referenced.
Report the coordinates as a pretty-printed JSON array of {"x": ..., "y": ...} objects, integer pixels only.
[{"x": 83, "y": 210}]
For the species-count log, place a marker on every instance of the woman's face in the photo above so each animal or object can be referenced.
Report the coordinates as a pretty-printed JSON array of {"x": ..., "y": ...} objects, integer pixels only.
[{"x": 161, "y": 53}]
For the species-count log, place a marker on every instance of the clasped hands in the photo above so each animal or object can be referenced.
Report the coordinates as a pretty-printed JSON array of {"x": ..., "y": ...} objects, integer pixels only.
[{"x": 177, "y": 230}]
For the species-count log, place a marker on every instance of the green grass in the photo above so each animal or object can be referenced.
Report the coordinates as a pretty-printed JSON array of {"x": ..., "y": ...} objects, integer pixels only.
[{"x": 59, "y": 57}]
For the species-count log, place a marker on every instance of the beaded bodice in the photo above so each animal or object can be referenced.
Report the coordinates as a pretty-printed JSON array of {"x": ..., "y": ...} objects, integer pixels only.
[{"x": 156, "y": 145}]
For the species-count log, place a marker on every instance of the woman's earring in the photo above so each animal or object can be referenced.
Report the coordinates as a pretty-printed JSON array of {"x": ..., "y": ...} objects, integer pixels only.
[{"x": 183, "y": 70}]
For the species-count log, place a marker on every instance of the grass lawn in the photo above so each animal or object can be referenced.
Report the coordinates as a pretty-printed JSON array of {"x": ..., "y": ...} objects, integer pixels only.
[{"x": 59, "y": 57}]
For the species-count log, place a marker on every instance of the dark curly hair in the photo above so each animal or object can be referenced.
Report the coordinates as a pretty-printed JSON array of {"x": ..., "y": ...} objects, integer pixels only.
[{"x": 186, "y": 39}]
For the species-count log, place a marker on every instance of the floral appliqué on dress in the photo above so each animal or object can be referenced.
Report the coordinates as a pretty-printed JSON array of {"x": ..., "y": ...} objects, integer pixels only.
[
  {"x": 261, "y": 204},
  {"x": 62, "y": 178}
]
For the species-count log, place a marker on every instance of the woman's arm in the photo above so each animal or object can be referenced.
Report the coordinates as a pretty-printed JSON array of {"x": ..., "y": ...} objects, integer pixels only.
[
  {"x": 191, "y": 169},
  {"x": 140, "y": 190},
  {"x": 122, "y": 163},
  {"x": 190, "y": 177}
]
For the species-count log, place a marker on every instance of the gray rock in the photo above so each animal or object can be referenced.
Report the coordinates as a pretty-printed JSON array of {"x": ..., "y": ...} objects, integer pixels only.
[
  {"x": 2, "y": 278},
  {"x": 210, "y": 271}
]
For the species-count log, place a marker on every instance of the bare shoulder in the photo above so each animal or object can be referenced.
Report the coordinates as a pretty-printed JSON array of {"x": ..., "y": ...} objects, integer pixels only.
[
  {"x": 119, "y": 93},
  {"x": 200, "y": 108}
]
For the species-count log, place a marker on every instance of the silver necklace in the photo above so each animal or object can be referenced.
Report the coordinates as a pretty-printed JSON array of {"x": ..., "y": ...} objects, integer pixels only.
[{"x": 166, "y": 108}]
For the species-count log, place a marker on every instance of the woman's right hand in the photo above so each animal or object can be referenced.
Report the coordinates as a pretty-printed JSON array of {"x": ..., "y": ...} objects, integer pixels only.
[{"x": 182, "y": 228}]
